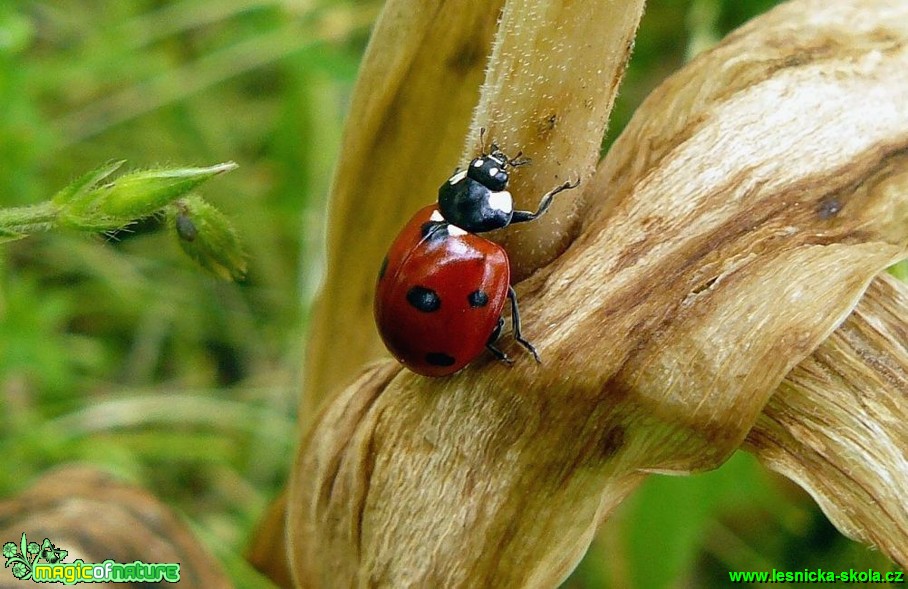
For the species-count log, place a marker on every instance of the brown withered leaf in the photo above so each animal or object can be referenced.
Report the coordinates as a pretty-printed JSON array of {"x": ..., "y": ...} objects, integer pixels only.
[
  {"x": 95, "y": 517},
  {"x": 731, "y": 230},
  {"x": 837, "y": 425}
]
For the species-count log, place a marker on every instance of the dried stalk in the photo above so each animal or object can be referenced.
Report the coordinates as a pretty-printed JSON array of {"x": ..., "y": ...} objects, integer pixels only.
[
  {"x": 553, "y": 75},
  {"x": 733, "y": 227}
]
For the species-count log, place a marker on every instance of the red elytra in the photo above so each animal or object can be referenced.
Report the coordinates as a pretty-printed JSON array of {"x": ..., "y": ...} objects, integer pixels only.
[{"x": 440, "y": 294}]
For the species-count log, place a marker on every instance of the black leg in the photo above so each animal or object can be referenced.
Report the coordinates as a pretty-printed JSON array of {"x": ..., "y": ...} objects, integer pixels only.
[
  {"x": 524, "y": 216},
  {"x": 499, "y": 354},
  {"x": 490, "y": 345},
  {"x": 515, "y": 324},
  {"x": 518, "y": 160}
]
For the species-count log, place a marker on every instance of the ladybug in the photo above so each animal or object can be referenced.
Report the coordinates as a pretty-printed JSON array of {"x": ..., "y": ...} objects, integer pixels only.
[{"x": 442, "y": 288}]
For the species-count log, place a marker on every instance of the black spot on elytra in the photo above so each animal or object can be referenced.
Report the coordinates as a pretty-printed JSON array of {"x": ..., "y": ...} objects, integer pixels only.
[
  {"x": 439, "y": 359},
  {"x": 384, "y": 266},
  {"x": 423, "y": 299},
  {"x": 478, "y": 298}
]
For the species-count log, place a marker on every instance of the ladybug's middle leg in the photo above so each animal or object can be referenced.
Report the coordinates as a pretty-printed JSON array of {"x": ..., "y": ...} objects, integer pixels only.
[
  {"x": 515, "y": 324},
  {"x": 493, "y": 337}
]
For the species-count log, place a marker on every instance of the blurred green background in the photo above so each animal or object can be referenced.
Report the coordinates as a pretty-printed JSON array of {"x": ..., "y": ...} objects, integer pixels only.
[{"x": 119, "y": 351}]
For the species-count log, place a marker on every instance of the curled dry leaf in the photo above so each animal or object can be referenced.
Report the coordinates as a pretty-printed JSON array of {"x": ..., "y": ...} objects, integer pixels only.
[
  {"x": 733, "y": 227},
  {"x": 838, "y": 424},
  {"x": 95, "y": 517}
]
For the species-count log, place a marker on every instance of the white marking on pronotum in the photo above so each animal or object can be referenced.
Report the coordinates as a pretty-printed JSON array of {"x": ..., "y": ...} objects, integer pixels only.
[
  {"x": 436, "y": 216},
  {"x": 478, "y": 162},
  {"x": 457, "y": 177},
  {"x": 493, "y": 171},
  {"x": 455, "y": 231},
  {"x": 501, "y": 201}
]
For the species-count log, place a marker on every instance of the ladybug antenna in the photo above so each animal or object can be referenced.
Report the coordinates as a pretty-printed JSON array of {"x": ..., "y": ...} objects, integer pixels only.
[{"x": 482, "y": 143}]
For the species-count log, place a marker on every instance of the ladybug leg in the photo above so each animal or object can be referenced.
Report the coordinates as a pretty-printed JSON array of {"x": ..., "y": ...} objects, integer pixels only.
[
  {"x": 518, "y": 160},
  {"x": 490, "y": 345},
  {"x": 524, "y": 216},
  {"x": 515, "y": 325}
]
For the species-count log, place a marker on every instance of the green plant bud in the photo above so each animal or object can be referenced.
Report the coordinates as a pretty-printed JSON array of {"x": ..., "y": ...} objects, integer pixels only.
[
  {"x": 207, "y": 236},
  {"x": 140, "y": 194}
]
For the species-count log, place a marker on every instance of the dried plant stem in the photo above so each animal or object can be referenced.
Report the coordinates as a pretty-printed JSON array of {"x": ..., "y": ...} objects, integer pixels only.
[{"x": 553, "y": 76}]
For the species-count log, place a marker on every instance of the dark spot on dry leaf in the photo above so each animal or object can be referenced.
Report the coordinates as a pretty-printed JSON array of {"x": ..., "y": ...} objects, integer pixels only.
[
  {"x": 547, "y": 124},
  {"x": 465, "y": 59},
  {"x": 829, "y": 208},
  {"x": 705, "y": 286},
  {"x": 611, "y": 442}
]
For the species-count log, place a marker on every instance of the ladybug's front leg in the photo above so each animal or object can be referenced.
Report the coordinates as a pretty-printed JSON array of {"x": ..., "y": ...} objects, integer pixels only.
[{"x": 524, "y": 216}]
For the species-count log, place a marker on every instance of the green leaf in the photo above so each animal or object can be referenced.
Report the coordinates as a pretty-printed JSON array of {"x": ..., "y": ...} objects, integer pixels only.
[
  {"x": 74, "y": 194},
  {"x": 670, "y": 517}
]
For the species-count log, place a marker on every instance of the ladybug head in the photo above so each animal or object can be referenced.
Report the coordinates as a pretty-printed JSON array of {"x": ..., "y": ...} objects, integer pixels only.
[
  {"x": 492, "y": 170},
  {"x": 477, "y": 199}
]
